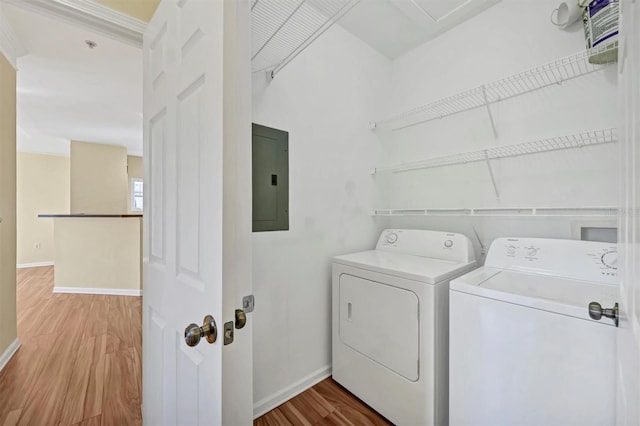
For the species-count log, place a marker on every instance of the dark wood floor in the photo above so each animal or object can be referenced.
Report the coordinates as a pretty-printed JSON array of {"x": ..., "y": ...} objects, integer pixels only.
[
  {"x": 79, "y": 363},
  {"x": 326, "y": 403}
]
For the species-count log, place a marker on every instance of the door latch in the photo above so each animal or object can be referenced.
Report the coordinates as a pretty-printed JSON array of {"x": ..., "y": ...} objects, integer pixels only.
[{"x": 228, "y": 333}]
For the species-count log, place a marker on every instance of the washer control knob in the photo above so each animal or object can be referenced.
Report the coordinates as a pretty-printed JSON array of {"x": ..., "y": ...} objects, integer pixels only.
[
  {"x": 391, "y": 237},
  {"x": 448, "y": 244},
  {"x": 532, "y": 251},
  {"x": 610, "y": 259},
  {"x": 511, "y": 250}
]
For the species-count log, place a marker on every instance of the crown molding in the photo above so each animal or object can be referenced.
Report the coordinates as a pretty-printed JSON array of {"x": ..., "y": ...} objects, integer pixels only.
[
  {"x": 91, "y": 15},
  {"x": 10, "y": 45}
]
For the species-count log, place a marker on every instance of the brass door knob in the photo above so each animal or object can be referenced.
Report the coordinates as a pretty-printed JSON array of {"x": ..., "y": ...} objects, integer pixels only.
[
  {"x": 241, "y": 318},
  {"x": 193, "y": 333}
]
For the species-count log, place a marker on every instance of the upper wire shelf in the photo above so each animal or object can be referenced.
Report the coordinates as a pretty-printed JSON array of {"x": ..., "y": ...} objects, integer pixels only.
[
  {"x": 282, "y": 29},
  {"x": 539, "y": 77},
  {"x": 579, "y": 140}
]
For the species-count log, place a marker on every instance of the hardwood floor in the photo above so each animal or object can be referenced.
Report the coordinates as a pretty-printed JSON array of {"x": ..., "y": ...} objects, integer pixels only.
[
  {"x": 80, "y": 364},
  {"x": 326, "y": 403},
  {"x": 80, "y": 359}
]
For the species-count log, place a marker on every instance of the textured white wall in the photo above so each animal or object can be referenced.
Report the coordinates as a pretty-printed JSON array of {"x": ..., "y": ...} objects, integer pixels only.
[{"x": 324, "y": 99}]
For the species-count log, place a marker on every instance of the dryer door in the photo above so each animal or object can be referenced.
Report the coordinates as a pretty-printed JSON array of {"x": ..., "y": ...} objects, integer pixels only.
[{"x": 382, "y": 323}]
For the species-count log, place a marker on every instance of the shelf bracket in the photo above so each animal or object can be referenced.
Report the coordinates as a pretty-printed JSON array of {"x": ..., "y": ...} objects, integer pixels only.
[
  {"x": 493, "y": 179},
  {"x": 486, "y": 103}
]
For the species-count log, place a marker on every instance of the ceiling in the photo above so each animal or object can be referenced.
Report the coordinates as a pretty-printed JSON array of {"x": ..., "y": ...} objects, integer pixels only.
[
  {"x": 67, "y": 91},
  {"x": 393, "y": 27}
]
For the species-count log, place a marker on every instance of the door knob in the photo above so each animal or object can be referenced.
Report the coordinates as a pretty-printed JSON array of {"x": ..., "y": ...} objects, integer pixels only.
[
  {"x": 194, "y": 333},
  {"x": 596, "y": 312}
]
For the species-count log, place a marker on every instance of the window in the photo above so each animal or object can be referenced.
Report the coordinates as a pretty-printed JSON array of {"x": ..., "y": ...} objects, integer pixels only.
[{"x": 137, "y": 195}]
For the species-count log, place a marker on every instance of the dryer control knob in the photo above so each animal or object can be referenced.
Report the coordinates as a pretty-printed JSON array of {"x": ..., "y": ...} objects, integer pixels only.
[
  {"x": 448, "y": 244},
  {"x": 391, "y": 237},
  {"x": 511, "y": 250}
]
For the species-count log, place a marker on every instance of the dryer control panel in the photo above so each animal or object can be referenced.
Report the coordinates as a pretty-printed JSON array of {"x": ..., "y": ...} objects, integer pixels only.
[
  {"x": 432, "y": 244},
  {"x": 581, "y": 260}
]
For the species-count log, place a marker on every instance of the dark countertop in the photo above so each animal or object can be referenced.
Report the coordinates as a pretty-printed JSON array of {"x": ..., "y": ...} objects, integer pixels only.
[{"x": 77, "y": 215}]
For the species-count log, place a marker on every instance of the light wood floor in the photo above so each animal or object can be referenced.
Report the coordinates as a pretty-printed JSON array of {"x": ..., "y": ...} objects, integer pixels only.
[
  {"x": 79, "y": 363},
  {"x": 326, "y": 403}
]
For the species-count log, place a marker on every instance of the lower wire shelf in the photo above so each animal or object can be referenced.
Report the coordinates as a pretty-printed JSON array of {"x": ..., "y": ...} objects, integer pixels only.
[{"x": 504, "y": 211}]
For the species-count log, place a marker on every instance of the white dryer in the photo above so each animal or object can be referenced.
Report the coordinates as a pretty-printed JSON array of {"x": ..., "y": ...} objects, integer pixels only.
[
  {"x": 524, "y": 348},
  {"x": 390, "y": 322}
]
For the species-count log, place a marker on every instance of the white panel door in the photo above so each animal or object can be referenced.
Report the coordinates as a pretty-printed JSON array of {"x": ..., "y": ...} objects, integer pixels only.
[
  {"x": 628, "y": 345},
  {"x": 197, "y": 224}
]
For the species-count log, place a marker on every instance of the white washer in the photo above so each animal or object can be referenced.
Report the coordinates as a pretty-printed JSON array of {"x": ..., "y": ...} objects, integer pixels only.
[
  {"x": 523, "y": 348},
  {"x": 390, "y": 322}
]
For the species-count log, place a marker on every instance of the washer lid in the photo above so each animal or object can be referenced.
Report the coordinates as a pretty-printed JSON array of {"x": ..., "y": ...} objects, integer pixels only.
[
  {"x": 549, "y": 293},
  {"x": 417, "y": 268}
]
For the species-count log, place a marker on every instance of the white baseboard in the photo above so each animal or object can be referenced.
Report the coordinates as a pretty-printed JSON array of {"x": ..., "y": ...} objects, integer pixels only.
[
  {"x": 11, "y": 350},
  {"x": 107, "y": 291},
  {"x": 34, "y": 265},
  {"x": 272, "y": 401}
]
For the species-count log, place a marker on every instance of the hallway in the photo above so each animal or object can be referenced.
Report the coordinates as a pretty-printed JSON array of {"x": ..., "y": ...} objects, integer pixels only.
[{"x": 80, "y": 359}]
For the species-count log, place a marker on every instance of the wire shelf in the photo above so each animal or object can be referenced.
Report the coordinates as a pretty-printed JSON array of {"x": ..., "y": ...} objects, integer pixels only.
[
  {"x": 505, "y": 212},
  {"x": 537, "y": 78},
  {"x": 282, "y": 29},
  {"x": 580, "y": 140}
]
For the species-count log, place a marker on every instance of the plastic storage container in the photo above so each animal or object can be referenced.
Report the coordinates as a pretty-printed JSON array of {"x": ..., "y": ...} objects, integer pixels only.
[{"x": 601, "y": 20}]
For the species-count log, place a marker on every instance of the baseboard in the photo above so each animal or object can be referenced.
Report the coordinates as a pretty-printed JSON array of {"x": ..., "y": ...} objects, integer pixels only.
[
  {"x": 11, "y": 350},
  {"x": 107, "y": 291},
  {"x": 272, "y": 401},
  {"x": 34, "y": 264}
]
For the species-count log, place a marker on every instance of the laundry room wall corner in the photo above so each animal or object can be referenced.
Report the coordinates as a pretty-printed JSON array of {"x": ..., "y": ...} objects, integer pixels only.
[
  {"x": 331, "y": 194},
  {"x": 506, "y": 39}
]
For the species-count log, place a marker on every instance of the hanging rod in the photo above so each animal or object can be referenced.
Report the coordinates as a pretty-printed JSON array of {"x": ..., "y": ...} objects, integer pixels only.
[
  {"x": 579, "y": 140},
  {"x": 283, "y": 29},
  {"x": 542, "y": 76}
]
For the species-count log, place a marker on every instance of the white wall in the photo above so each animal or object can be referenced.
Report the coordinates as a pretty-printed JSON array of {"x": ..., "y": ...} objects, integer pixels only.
[
  {"x": 324, "y": 99},
  {"x": 510, "y": 37}
]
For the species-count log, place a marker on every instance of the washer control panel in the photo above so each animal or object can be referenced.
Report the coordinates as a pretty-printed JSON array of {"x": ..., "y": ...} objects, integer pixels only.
[
  {"x": 433, "y": 244},
  {"x": 583, "y": 260}
]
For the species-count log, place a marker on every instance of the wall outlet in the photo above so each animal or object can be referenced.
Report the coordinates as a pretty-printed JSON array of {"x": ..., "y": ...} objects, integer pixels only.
[{"x": 36, "y": 245}]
